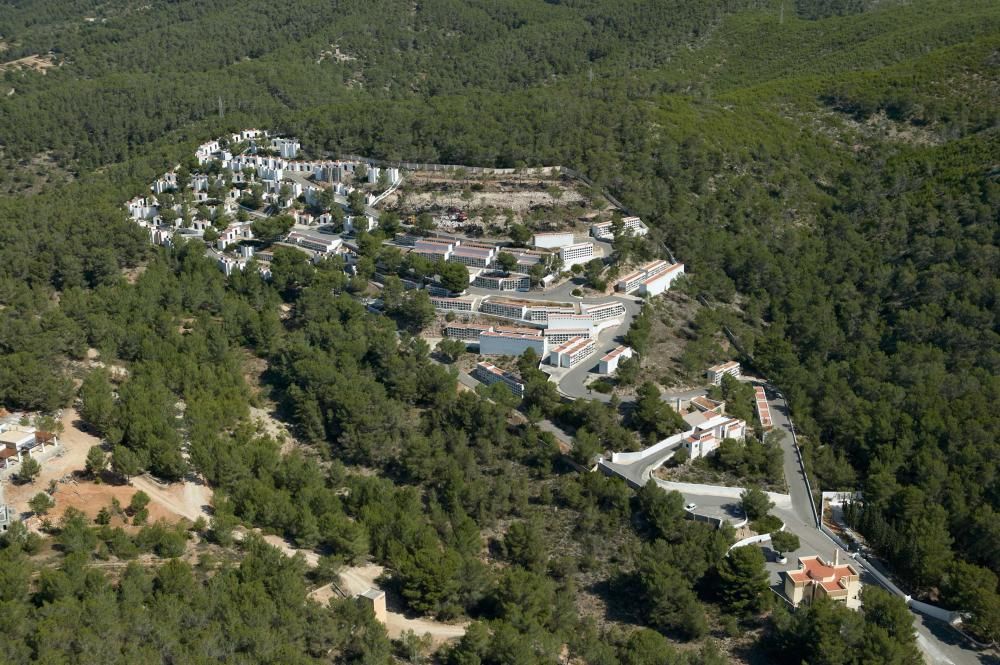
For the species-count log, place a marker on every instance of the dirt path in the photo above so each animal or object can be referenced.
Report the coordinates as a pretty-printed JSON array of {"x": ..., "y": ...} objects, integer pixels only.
[
  {"x": 73, "y": 490},
  {"x": 355, "y": 580},
  {"x": 312, "y": 559},
  {"x": 188, "y": 499}
]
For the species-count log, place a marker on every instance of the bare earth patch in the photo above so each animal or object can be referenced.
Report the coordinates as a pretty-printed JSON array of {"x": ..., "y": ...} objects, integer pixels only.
[
  {"x": 38, "y": 63},
  {"x": 73, "y": 490},
  {"x": 672, "y": 318},
  {"x": 543, "y": 201}
]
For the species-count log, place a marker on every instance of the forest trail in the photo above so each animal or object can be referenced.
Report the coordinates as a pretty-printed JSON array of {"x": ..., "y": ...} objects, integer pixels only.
[
  {"x": 188, "y": 499},
  {"x": 355, "y": 580}
]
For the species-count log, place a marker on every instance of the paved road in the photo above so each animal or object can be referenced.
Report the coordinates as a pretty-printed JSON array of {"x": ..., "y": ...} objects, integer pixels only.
[
  {"x": 801, "y": 512},
  {"x": 940, "y": 644},
  {"x": 638, "y": 473},
  {"x": 573, "y": 383}
]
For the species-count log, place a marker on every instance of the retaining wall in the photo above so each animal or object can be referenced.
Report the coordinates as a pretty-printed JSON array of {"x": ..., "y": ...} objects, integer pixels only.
[
  {"x": 935, "y": 612},
  {"x": 932, "y": 611},
  {"x": 655, "y": 449},
  {"x": 780, "y": 500},
  {"x": 752, "y": 540}
]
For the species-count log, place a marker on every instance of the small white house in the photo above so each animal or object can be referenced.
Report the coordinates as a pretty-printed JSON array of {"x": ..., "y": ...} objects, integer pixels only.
[
  {"x": 609, "y": 363},
  {"x": 553, "y": 240},
  {"x": 716, "y": 373}
]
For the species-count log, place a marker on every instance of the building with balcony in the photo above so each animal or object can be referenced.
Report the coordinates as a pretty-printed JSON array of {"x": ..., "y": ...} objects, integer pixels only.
[
  {"x": 716, "y": 372},
  {"x": 452, "y": 304},
  {"x": 468, "y": 332},
  {"x": 815, "y": 578},
  {"x": 490, "y": 374},
  {"x": 575, "y": 254}
]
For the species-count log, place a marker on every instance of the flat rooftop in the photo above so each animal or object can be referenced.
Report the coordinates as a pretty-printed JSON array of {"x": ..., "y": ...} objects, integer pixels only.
[
  {"x": 14, "y": 436},
  {"x": 615, "y": 352}
]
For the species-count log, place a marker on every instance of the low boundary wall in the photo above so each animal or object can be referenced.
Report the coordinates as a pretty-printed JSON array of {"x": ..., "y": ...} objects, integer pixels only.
[
  {"x": 783, "y": 500},
  {"x": 941, "y": 614},
  {"x": 753, "y": 540},
  {"x": 655, "y": 449}
]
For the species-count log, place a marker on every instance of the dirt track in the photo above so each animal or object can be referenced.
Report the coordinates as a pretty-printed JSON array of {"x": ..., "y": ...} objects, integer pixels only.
[
  {"x": 188, "y": 499},
  {"x": 73, "y": 490},
  {"x": 356, "y": 580}
]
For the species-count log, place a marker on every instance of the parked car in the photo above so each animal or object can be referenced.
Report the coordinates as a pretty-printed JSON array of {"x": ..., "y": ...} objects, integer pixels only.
[{"x": 691, "y": 506}]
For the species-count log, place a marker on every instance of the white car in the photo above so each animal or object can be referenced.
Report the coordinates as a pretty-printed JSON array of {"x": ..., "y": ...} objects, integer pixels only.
[{"x": 690, "y": 506}]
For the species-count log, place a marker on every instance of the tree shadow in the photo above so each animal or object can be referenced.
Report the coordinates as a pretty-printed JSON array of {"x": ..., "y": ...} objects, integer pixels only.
[
  {"x": 620, "y": 594},
  {"x": 87, "y": 428}
]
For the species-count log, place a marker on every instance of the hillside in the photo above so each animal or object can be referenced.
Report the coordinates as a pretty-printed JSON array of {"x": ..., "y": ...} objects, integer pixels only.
[{"x": 829, "y": 172}]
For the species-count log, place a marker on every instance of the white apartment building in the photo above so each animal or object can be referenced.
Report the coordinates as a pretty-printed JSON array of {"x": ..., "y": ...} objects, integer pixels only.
[
  {"x": 716, "y": 373},
  {"x": 469, "y": 332},
  {"x": 708, "y": 429},
  {"x": 206, "y": 151},
  {"x": 660, "y": 282},
  {"x": 452, "y": 304},
  {"x": 501, "y": 282},
  {"x": 287, "y": 148},
  {"x": 247, "y": 135},
  {"x": 475, "y": 257},
  {"x": 634, "y": 226},
  {"x": 609, "y": 363},
  {"x": 506, "y": 309},
  {"x": 564, "y": 320},
  {"x": 490, "y": 374},
  {"x": 323, "y": 245},
  {"x": 630, "y": 225},
  {"x": 553, "y": 240},
  {"x": 234, "y": 233},
  {"x": 572, "y": 352},
  {"x": 541, "y": 314},
  {"x": 604, "y": 311},
  {"x": 644, "y": 277},
  {"x": 142, "y": 207},
  {"x": 358, "y": 223},
  {"x": 562, "y": 335},
  {"x": 576, "y": 254},
  {"x": 497, "y": 343},
  {"x": 167, "y": 182}
]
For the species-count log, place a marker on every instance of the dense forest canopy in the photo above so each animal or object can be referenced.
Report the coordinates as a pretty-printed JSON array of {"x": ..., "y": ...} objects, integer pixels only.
[{"x": 829, "y": 169}]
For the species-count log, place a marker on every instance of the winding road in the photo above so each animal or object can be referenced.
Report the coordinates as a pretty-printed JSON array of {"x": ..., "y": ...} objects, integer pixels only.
[{"x": 939, "y": 643}]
